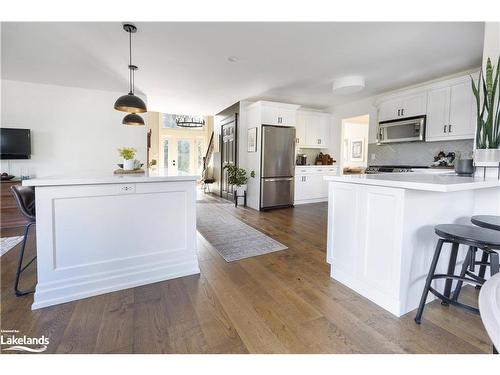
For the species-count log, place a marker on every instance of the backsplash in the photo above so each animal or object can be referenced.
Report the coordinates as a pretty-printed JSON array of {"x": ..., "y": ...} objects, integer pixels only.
[{"x": 416, "y": 153}]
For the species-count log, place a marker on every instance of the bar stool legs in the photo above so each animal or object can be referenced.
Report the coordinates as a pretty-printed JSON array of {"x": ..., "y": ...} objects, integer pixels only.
[
  {"x": 20, "y": 267},
  {"x": 428, "y": 281},
  {"x": 451, "y": 270},
  {"x": 482, "y": 268}
]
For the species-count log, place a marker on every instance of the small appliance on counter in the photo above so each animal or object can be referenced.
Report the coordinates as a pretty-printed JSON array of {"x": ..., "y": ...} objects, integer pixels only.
[
  {"x": 444, "y": 160},
  {"x": 301, "y": 159}
]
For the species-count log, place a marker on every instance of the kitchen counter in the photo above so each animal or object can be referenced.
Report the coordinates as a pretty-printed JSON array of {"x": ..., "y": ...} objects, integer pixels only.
[
  {"x": 100, "y": 232},
  {"x": 381, "y": 236},
  {"x": 419, "y": 181},
  {"x": 99, "y": 177}
]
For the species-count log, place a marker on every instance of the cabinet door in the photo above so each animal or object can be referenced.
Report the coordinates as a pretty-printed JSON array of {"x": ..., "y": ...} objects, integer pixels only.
[
  {"x": 438, "y": 114},
  {"x": 300, "y": 187},
  {"x": 313, "y": 132},
  {"x": 389, "y": 110},
  {"x": 315, "y": 186},
  {"x": 278, "y": 116},
  {"x": 324, "y": 130},
  {"x": 461, "y": 125},
  {"x": 300, "y": 129},
  {"x": 414, "y": 105}
]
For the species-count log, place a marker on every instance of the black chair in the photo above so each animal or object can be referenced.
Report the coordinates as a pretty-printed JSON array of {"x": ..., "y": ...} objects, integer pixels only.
[
  {"x": 25, "y": 200},
  {"x": 476, "y": 238},
  {"x": 490, "y": 222}
]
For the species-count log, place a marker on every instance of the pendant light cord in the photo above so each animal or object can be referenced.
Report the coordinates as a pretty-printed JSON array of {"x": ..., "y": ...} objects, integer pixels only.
[{"x": 131, "y": 78}]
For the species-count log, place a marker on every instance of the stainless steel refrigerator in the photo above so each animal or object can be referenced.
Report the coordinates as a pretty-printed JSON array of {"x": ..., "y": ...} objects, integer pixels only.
[{"x": 278, "y": 166}]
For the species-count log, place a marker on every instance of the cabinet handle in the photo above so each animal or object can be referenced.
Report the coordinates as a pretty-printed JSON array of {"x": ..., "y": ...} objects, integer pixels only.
[
  {"x": 402, "y": 111},
  {"x": 449, "y": 128},
  {"x": 444, "y": 130},
  {"x": 399, "y": 112}
]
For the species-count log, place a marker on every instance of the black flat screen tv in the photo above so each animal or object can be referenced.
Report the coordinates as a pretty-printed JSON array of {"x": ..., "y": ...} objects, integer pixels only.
[{"x": 15, "y": 143}]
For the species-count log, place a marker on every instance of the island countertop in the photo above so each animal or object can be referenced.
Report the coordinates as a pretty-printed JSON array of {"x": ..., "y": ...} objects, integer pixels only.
[
  {"x": 99, "y": 177},
  {"x": 419, "y": 181}
]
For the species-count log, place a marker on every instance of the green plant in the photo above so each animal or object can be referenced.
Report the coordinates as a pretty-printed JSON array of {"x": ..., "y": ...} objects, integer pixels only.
[
  {"x": 488, "y": 107},
  {"x": 237, "y": 176},
  {"x": 127, "y": 153}
]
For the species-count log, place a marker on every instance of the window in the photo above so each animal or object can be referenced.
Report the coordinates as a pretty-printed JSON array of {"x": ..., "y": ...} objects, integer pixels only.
[
  {"x": 168, "y": 122},
  {"x": 183, "y": 154}
]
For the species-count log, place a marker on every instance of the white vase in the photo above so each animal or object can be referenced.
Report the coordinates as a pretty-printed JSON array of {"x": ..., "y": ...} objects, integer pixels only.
[
  {"x": 486, "y": 156},
  {"x": 240, "y": 190},
  {"x": 128, "y": 165}
]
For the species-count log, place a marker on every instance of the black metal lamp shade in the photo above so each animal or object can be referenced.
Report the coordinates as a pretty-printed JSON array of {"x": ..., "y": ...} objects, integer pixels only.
[
  {"x": 133, "y": 119},
  {"x": 130, "y": 103}
]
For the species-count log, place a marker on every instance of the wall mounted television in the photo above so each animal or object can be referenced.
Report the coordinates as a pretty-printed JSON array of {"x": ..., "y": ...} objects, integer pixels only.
[{"x": 15, "y": 143}]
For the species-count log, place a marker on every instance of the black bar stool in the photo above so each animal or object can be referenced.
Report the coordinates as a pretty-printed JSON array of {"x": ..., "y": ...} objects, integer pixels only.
[
  {"x": 486, "y": 240},
  {"x": 490, "y": 222},
  {"x": 25, "y": 200}
]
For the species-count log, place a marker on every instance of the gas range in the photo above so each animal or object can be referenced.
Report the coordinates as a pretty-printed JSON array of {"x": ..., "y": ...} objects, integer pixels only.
[{"x": 375, "y": 169}]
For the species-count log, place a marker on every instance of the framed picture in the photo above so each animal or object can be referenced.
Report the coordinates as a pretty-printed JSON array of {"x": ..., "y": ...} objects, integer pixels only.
[
  {"x": 357, "y": 148},
  {"x": 252, "y": 140}
]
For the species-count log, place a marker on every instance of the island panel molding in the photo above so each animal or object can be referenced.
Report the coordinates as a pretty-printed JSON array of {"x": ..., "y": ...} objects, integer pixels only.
[
  {"x": 99, "y": 238},
  {"x": 381, "y": 236}
]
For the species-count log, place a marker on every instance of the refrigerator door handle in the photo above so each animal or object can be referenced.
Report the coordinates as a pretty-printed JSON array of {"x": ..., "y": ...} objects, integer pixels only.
[{"x": 278, "y": 179}]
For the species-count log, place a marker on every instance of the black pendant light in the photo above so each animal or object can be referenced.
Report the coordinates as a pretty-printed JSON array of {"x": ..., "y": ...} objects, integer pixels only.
[
  {"x": 133, "y": 119},
  {"x": 189, "y": 121},
  {"x": 129, "y": 102}
]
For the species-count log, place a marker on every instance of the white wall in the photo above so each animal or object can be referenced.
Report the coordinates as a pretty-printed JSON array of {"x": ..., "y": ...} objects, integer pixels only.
[
  {"x": 72, "y": 129},
  {"x": 350, "y": 131}
]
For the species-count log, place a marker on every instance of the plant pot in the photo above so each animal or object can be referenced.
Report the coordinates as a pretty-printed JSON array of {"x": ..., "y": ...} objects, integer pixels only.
[
  {"x": 464, "y": 166},
  {"x": 486, "y": 156},
  {"x": 240, "y": 190},
  {"x": 128, "y": 165}
]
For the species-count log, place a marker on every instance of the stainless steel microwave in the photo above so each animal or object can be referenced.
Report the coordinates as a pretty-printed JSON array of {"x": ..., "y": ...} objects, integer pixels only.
[{"x": 410, "y": 129}]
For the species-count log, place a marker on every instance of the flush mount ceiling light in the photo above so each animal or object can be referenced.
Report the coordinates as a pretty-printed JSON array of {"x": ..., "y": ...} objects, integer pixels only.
[
  {"x": 133, "y": 119},
  {"x": 348, "y": 85},
  {"x": 233, "y": 59},
  {"x": 129, "y": 102},
  {"x": 189, "y": 121}
]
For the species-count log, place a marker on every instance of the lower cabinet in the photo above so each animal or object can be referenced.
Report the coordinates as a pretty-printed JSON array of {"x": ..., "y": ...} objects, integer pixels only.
[{"x": 310, "y": 187}]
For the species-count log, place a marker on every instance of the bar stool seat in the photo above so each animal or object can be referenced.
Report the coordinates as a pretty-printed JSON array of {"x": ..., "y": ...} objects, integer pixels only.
[
  {"x": 469, "y": 235},
  {"x": 476, "y": 238},
  {"x": 486, "y": 221}
]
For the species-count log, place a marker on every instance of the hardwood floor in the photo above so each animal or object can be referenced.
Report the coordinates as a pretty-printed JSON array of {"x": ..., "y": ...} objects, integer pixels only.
[{"x": 282, "y": 302}]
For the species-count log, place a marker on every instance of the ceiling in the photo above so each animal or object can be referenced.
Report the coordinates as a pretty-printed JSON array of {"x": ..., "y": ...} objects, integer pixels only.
[{"x": 184, "y": 67}]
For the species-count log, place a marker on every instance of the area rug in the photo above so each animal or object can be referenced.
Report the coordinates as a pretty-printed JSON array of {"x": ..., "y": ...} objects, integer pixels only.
[
  {"x": 8, "y": 243},
  {"x": 232, "y": 238}
]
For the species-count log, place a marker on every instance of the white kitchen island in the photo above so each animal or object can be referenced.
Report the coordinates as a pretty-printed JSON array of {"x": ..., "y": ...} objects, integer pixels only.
[
  {"x": 99, "y": 233},
  {"x": 381, "y": 230}
]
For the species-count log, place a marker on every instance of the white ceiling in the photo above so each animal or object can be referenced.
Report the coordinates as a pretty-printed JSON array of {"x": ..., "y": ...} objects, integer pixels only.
[{"x": 183, "y": 67}]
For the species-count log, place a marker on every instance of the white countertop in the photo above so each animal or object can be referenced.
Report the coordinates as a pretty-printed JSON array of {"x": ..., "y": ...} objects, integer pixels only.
[
  {"x": 100, "y": 177},
  {"x": 419, "y": 181},
  {"x": 317, "y": 166}
]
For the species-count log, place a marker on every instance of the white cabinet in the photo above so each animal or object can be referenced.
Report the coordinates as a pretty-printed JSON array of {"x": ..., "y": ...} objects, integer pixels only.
[
  {"x": 406, "y": 106},
  {"x": 310, "y": 185},
  {"x": 276, "y": 114},
  {"x": 450, "y": 113},
  {"x": 313, "y": 129}
]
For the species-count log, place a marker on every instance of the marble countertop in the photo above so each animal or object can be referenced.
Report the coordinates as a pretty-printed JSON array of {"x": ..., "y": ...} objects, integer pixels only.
[
  {"x": 419, "y": 181},
  {"x": 100, "y": 177}
]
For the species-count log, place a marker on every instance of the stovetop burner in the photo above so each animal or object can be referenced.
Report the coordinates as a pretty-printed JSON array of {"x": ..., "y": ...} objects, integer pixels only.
[{"x": 373, "y": 169}]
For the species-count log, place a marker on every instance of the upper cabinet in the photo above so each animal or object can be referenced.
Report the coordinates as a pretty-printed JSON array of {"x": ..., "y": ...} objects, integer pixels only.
[
  {"x": 279, "y": 114},
  {"x": 450, "y": 114},
  {"x": 312, "y": 129},
  {"x": 401, "y": 107},
  {"x": 449, "y": 107}
]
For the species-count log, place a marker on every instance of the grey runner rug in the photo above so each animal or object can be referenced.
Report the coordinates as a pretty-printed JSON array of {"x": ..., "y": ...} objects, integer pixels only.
[
  {"x": 7, "y": 243},
  {"x": 232, "y": 238}
]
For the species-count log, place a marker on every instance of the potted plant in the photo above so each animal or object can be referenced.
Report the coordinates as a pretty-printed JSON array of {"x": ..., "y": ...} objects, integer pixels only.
[
  {"x": 488, "y": 115},
  {"x": 238, "y": 178},
  {"x": 128, "y": 154}
]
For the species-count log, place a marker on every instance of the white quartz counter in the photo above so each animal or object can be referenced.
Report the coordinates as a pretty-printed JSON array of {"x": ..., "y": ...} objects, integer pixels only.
[
  {"x": 91, "y": 178},
  {"x": 417, "y": 181}
]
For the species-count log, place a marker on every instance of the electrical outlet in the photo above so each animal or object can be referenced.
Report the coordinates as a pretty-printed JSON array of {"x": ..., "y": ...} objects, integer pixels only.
[{"x": 373, "y": 156}]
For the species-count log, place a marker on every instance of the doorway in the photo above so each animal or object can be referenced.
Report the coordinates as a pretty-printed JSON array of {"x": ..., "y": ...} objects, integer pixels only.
[
  {"x": 228, "y": 153},
  {"x": 354, "y": 147},
  {"x": 182, "y": 154}
]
